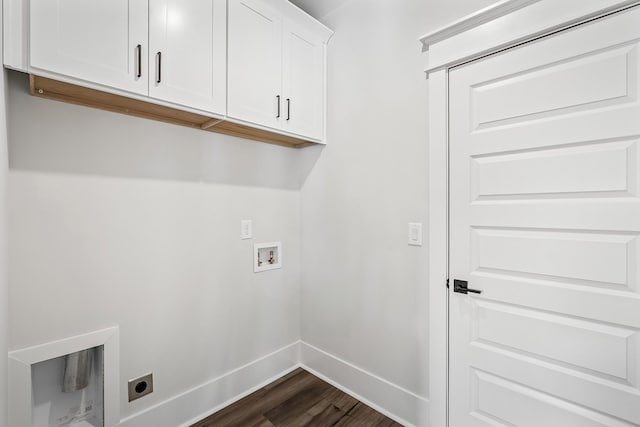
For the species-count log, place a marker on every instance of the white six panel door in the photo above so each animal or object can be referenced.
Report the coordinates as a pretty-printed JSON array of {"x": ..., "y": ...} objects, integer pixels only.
[
  {"x": 107, "y": 51},
  {"x": 545, "y": 221}
]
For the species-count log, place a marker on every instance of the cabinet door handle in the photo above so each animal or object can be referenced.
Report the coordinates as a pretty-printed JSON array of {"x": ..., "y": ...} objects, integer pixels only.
[
  {"x": 288, "y": 109},
  {"x": 278, "y": 115},
  {"x": 139, "y": 61},
  {"x": 158, "y": 67}
]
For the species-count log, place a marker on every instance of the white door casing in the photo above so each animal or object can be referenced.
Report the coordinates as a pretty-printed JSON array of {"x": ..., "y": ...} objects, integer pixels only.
[{"x": 545, "y": 221}]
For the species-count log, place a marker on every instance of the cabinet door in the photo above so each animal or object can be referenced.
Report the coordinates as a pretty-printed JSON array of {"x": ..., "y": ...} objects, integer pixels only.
[
  {"x": 96, "y": 41},
  {"x": 303, "y": 80},
  {"x": 255, "y": 62},
  {"x": 187, "y": 53}
]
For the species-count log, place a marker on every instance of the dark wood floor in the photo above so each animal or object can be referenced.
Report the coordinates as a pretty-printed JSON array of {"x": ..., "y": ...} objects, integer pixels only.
[{"x": 295, "y": 400}]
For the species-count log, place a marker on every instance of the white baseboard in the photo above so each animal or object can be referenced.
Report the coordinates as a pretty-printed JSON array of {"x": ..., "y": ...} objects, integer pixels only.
[
  {"x": 397, "y": 403},
  {"x": 189, "y": 407},
  {"x": 185, "y": 409}
]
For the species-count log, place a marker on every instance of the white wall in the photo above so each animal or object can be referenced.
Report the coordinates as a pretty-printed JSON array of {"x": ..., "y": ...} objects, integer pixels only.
[
  {"x": 116, "y": 220},
  {"x": 119, "y": 220},
  {"x": 365, "y": 295}
]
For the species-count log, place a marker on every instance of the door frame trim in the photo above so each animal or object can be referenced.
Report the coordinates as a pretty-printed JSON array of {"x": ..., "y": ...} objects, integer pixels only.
[{"x": 505, "y": 25}]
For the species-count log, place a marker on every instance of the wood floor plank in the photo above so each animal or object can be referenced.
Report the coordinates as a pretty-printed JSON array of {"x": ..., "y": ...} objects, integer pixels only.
[
  {"x": 298, "y": 404},
  {"x": 235, "y": 412},
  {"x": 363, "y": 416},
  {"x": 386, "y": 423},
  {"x": 253, "y": 420},
  {"x": 340, "y": 399},
  {"x": 287, "y": 377},
  {"x": 298, "y": 399},
  {"x": 241, "y": 412},
  {"x": 263, "y": 422},
  {"x": 324, "y": 413}
]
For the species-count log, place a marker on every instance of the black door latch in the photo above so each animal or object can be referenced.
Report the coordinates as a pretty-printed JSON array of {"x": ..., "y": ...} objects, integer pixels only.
[{"x": 462, "y": 287}]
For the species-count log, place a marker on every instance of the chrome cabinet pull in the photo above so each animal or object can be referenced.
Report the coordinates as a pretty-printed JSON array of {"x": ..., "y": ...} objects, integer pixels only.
[
  {"x": 158, "y": 67},
  {"x": 278, "y": 115},
  {"x": 139, "y": 61},
  {"x": 288, "y": 109}
]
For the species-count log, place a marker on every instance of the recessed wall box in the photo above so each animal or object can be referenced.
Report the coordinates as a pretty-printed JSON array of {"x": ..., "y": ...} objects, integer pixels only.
[
  {"x": 37, "y": 374},
  {"x": 267, "y": 256}
]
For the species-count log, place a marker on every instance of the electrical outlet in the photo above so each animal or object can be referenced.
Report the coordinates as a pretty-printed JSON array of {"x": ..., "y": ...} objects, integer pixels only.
[{"x": 140, "y": 387}]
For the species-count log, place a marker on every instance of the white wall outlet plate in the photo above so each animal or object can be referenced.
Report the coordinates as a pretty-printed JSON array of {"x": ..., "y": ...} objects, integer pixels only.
[
  {"x": 415, "y": 234},
  {"x": 246, "y": 229},
  {"x": 267, "y": 256}
]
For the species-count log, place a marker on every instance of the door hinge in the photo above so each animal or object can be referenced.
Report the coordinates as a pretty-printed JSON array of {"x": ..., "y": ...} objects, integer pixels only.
[{"x": 447, "y": 283}]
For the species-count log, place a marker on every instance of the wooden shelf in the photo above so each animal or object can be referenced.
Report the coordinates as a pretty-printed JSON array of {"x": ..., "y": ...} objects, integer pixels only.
[{"x": 66, "y": 92}]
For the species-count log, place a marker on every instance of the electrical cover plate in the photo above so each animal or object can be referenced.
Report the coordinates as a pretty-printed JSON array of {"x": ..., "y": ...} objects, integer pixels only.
[
  {"x": 415, "y": 234},
  {"x": 140, "y": 387},
  {"x": 246, "y": 229}
]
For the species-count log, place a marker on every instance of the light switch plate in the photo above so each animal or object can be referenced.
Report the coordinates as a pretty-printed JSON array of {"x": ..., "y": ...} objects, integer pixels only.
[
  {"x": 415, "y": 234},
  {"x": 246, "y": 229}
]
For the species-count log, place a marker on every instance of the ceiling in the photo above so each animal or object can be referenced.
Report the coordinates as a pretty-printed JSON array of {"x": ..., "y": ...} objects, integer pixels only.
[{"x": 318, "y": 8}]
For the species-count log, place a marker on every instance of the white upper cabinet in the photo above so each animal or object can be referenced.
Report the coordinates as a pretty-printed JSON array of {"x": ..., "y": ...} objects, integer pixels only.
[
  {"x": 100, "y": 41},
  {"x": 170, "y": 50},
  {"x": 255, "y": 66},
  {"x": 303, "y": 82},
  {"x": 276, "y": 67},
  {"x": 187, "y": 52}
]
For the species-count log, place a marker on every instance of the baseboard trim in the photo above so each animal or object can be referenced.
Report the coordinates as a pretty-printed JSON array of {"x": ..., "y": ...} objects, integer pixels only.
[
  {"x": 397, "y": 403},
  {"x": 193, "y": 405},
  {"x": 187, "y": 408}
]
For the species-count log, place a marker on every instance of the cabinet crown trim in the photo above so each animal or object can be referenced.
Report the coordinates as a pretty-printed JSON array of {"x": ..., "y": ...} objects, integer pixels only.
[{"x": 292, "y": 11}]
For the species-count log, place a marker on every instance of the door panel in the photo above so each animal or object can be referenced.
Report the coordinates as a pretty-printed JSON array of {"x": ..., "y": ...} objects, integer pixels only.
[
  {"x": 578, "y": 343},
  {"x": 604, "y": 259},
  {"x": 530, "y": 408},
  {"x": 508, "y": 97},
  {"x": 94, "y": 41},
  {"x": 191, "y": 38},
  {"x": 545, "y": 221},
  {"x": 597, "y": 170}
]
